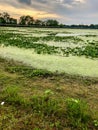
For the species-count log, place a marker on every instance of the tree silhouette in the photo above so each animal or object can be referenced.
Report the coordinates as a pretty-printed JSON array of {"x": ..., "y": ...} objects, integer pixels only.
[
  {"x": 26, "y": 20},
  {"x": 6, "y": 19},
  {"x": 52, "y": 22},
  {"x": 38, "y": 22}
]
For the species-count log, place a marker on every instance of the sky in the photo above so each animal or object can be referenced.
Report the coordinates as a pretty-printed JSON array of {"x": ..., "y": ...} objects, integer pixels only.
[{"x": 65, "y": 11}]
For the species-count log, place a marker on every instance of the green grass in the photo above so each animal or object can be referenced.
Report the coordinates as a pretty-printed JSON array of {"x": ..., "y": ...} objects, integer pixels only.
[
  {"x": 78, "y": 113},
  {"x": 45, "y": 103},
  {"x": 11, "y": 96}
]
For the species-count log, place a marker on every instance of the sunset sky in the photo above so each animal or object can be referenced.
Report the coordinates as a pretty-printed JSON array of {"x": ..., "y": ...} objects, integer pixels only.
[{"x": 66, "y": 11}]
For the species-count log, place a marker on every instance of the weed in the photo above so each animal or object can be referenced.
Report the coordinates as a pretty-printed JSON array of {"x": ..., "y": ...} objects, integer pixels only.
[
  {"x": 95, "y": 123},
  {"x": 77, "y": 113},
  {"x": 44, "y": 104},
  {"x": 11, "y": 96}
]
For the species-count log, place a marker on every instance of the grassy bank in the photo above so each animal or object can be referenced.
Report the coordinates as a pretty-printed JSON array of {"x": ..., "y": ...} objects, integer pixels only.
[{"x": 36, "y": 99}]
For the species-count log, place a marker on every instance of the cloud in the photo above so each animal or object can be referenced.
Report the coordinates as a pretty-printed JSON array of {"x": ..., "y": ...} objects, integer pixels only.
[
  {"x": 16, "y": 10},
  {"x": 66, "y": 11},
  {"x": 28, "y": 2}
]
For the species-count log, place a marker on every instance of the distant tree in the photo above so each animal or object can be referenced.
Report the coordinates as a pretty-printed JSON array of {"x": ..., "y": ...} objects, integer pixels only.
[
  {"x": 6, "y": 17},
  {"x": 96, "y": 26},
  {"x": 29, "y": 20},
  {"x": 43, "y": 23},
  {"x": 22, "y": 20},
  {"x": 2, "y": 21},
  {"x": 12, "y": 21},
  {"x": 38, "y": 22},
  {"x": 26, "y": 20},
  {"x": 61, "y": 25},
  {"x": 73, "y": 26},
  {"x": 51, "y": 22},
  {"x": 92, "y": 26}
]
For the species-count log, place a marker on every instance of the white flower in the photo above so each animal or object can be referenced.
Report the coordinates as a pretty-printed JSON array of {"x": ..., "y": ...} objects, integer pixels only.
[{"x": 2, "y": 103}]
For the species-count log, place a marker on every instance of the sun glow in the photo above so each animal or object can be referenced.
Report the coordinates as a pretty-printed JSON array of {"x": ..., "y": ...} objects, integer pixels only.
[{"x": 17, "y": 12}]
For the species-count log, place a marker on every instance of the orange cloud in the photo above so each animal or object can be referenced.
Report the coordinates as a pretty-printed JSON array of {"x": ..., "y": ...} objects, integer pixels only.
[{"x": 17, "y": 12}]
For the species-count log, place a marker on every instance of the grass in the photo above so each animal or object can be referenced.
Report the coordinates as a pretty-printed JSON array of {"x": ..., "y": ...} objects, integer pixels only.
[
  {"x": 78, "y": 113},
  {"x": 11, "y": 96},
  {"x": 45, "y": 103}
]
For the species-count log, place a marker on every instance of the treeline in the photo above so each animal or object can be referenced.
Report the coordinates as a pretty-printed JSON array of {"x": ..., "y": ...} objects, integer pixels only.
[
  {"x": 27, "y": 20},
  {"x": 91, "y": 26}
]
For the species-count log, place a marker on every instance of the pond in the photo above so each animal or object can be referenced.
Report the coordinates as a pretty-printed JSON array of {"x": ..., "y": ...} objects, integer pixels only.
[{"x": 76, "y": 34}]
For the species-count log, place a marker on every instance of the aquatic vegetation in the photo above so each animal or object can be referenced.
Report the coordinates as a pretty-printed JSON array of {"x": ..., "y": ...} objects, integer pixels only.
[
  {"x": 71, "y": 65},
  {"x": 72, "y": 54},
  {"x": 50, "y": 43}
]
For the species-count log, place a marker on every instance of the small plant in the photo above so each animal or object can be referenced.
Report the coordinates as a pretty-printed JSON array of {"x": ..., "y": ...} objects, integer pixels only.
[
  {"x": 77, "y": 112},
  {"x": 44, "y": 104},
  {"x": 11, "y": 95},
  {"x": 96, "y": 123},
  {"x": 48, "y": 92}
]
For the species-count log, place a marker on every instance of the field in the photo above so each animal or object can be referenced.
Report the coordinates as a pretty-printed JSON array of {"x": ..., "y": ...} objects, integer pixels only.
[{"x": 48, "y": 79}]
